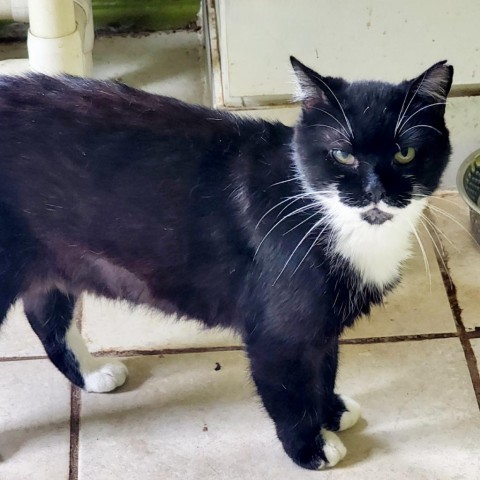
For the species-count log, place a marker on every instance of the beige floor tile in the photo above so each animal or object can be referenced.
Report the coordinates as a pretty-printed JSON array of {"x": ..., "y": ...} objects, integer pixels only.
[
  {"x": 110, "y": 325},
  {"x": 163, "y": 63},
  {"x": 421, "y": 415},
  {"x": 287, "y": 115},
  {"x": 464, "y": 256},
  {"x": 34, "y": 421},
  {"x": 16, "y": 337},
  {"x": 178, "y": 417},
  {"x": 415, "y": 307}
]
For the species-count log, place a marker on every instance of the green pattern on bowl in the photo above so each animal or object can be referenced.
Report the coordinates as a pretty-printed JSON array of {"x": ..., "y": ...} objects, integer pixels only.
[{"x": 468, "y": 184}]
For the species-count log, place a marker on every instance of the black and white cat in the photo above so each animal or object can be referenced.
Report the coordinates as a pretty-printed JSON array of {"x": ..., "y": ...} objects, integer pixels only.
[{"x": 285, "y": 234}]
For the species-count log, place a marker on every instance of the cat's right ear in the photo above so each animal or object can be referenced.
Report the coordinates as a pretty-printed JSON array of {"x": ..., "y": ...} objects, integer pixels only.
[{"x": 310, "y": 89}]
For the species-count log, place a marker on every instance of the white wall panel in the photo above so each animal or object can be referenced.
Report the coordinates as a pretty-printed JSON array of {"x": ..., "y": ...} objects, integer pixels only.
[{"x": 356, "y": 39}]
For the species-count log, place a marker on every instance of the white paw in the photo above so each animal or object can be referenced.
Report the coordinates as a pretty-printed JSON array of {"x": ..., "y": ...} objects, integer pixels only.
[
  {"x": 107, "y": 375},
  {"x": 333, "y": 449},
  {"x": 351, "y": 416}
]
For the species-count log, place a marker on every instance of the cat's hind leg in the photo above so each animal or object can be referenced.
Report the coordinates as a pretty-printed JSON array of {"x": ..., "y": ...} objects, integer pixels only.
[
  {"x": 16, "y": 255},
  {"x": 7, "y": 298},
  {"x": 51, "y": 316},
  {"x": 9, "y": 285}
]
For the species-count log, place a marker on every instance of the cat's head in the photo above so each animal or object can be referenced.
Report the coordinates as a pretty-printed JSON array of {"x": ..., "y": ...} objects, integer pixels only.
[
  {"x": 374, "y": 143},
  {"x": 370, "y": 152}
]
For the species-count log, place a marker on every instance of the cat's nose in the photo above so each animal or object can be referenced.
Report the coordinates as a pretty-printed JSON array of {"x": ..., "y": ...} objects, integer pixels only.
[{"x": 374, "y": 190}]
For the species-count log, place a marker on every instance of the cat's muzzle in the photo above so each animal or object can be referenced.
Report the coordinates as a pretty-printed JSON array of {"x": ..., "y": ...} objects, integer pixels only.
[{"x": 375, "y": 216}]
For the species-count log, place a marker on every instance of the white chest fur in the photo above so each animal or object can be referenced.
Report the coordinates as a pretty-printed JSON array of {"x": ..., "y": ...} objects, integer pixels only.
[{"x": 376, "y": 252}]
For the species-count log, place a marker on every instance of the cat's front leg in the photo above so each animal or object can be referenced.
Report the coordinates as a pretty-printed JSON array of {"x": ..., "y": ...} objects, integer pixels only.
[
  {"x": 341, "y": 412},
  {"x": 287, "y": 375}
]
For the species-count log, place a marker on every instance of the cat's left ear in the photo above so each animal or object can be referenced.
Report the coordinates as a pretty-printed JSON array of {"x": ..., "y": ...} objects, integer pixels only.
[
  {"x": 311, "y": 88},
  {"x": 434, "y": 84}
]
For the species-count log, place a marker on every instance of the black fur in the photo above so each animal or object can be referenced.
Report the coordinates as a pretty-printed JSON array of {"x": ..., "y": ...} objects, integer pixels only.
[{"x": 111, "y": 190}]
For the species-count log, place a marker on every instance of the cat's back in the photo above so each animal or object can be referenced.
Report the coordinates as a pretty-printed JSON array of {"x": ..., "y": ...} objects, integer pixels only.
[
  {"x": 93, "y": 147},
  {"x": 85, "y": 127},
  {"x": 79, "y": 126},
  {"x": 80, "y": 101}
]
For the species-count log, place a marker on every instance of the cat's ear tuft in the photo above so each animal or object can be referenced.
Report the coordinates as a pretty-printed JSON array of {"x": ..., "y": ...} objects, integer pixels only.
[
  {"x": 434, "y": 84},
  {"x": 309, "y": 88}
]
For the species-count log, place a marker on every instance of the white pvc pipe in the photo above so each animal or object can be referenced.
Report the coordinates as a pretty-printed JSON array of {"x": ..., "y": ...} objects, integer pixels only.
[
  {"x": 51, "y": 18},
  {"x": 84, "y": 19},
  {"x": 60, "y": 38}
]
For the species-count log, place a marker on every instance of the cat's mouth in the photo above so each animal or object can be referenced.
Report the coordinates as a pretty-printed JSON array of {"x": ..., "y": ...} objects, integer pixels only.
[{"x": 375, "y": 216}]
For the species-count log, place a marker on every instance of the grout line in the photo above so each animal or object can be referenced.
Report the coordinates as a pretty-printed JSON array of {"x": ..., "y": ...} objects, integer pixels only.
[
  {"x": 26, "y": 357},
  {"x": 464, "y": 337},
  {"x": 138, "y": 352},
  {"x": 235, "y": 348},
  {"x": 399, "y": 338},
  {"x": 473, "y": 334},
  {"x": 166, "y": 351},
  {"x": 75, "y": 405}
]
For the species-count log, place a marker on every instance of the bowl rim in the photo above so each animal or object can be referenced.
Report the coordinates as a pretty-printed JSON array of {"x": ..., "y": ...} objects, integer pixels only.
[{"x": 460, "y": 177}]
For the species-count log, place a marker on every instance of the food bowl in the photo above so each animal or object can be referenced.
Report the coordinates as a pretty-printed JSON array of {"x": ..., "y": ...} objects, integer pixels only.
[{"x": 468, "y": 184}]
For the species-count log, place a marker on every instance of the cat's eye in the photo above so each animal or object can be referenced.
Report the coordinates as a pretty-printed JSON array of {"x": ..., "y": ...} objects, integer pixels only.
[
  {"x": 343, "y": 157},
  {"x": 405, "y": 156}
]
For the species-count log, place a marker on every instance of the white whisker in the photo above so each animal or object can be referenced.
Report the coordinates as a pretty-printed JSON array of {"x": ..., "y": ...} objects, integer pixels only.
[
  {"x": 453, "y": 219},
  {"x": 401, "y": 114},
  {"x": 306, "y": 194},
  {"x": 333, "y": 128},
  {"x": 339, "y": 104},
  {"x": 418, "y": 111},
  {"x": 439, "y": 231},
  {"x": 303, "y": 221},
  {"x": 296, "y": 197},
  {"x": 288, "y": 205},
  {"x": 420, "y": 126},
  {"x": 340, "y": 140},
  {"x": 295, "y": 212},
  {"x": 451, "y": 202},
  {"x": 439, "y": 253},
  {"x": 270, "y": 210},
  {"x": 315, "y": 225},
  {"x": 296, "y": 177},
  {"x": 409, "y": 103},
  {"x": 424, "y": 253},
  {"x": 332, "y": 116},
  {"x": 310, "y": 249}
]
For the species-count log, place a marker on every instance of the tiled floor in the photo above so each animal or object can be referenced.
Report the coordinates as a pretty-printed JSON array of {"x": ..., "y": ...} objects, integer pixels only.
[{"x": 412, "y": 365}]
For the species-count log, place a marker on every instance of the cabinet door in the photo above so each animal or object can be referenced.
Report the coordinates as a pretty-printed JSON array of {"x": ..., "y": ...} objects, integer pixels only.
[{"x": 357, "y": 39}]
